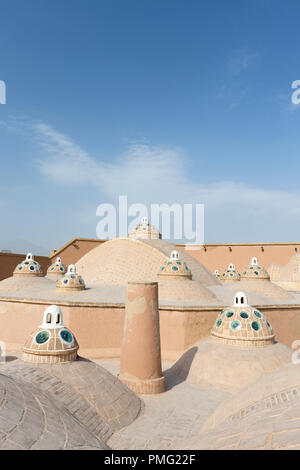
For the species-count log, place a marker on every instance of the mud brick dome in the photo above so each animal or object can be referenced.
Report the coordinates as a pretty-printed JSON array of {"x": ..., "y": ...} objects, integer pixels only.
[
  {"x": 240, "y": 350},
  {"x": 256, "y": 279},
  {"x": 57, "y": 268},
  {"x": 243, "y": 324},
  {"x": 144, "y": 230},
  {"x": 28, "y": 267},
  {"x": 255, "y": 271},
  {"x": 175, "y": 268},
  {"x": 274, "y": 270},
  {"x": 176, "y": 284},
  {"x": 71, "y": 280},
  {"x": 122, "y": 260},
  {"x": 231, "y": 274},
  {"x": 51, "y": 342},
  {"x": 289, "y": 277}
]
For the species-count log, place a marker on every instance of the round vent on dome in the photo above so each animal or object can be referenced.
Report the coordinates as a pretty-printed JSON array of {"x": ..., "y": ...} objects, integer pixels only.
[
  {"x": 51, "y": 342},
  {"x": 71, "y": 281},
  {"x": 231, "y": 274},
  {"x": 28, "y": 267},
  {"x": 144, "y": 230},
  {"x": 255, "y": 271},
  {"x": 57, "y": 269},
  {"x": 174, "y": 268},
  {"x": 243, "y": 325}
]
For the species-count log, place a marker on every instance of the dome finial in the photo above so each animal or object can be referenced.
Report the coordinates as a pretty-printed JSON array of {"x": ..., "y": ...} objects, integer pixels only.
[
  {"x": 71, "y": 269},
  {"x": 240, "y": 300},
  {"x": 53, "y": 317}
]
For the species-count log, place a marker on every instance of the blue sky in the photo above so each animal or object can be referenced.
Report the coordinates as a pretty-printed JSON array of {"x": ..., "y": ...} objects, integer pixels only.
[{"x": 161, "y": 100}]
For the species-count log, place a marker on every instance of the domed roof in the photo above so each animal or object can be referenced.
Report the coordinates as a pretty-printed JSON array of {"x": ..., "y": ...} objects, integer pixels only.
[
  {"x": 243, "y": 325},
  {"x": 71, "y": 280},
  {"x": 255, "y": 271},
  {"x": 57, "y": 268},
  {"x": 28, "y": 267},
  {"x": 174, "y": 268},
  {"x": 51, "y": 341},
  {"x": 36, "y": 419},
  {"x": 274, "y": 271},
  {"x": 144, "y": 230},
  {"x": 121, "y": 260},
  {"x": 184, "y": 292},
  {"x": 289, "y": 277},
  {"x": 215, "y": 365},
  {"x": 231, "y": 274},
  {"x": 264, "y": 415}
]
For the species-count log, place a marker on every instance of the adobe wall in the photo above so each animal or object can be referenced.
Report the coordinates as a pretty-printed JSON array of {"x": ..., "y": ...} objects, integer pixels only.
[
  {"x": 75, "y": 249},
  {"x": 211, "y": 256},
  {"x": 99, "y": 328},
  {"x": 220, "y": 256},
  {"x": 8, "y": 262}
]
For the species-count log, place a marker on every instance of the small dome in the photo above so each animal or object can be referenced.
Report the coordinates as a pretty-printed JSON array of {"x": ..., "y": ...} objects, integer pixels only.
[
  {"x": 255, "y": 271},
  {"x": 243, "y": 325},
  {"x": 57, "y": 268},
  {"x": 71, "y": 280},
  {"x": 217, "y": 273},
  {"x": 28, "y": 267},
  {"x": 51, "y": 342},
  {"x": 175, "y": 268},
  {"x": 144, "y": 230},
  {"x": 231, "y": 274}
]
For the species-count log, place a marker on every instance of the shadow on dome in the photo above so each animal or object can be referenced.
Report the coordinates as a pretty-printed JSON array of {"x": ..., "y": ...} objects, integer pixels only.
[{"x": 184, "y": 363}]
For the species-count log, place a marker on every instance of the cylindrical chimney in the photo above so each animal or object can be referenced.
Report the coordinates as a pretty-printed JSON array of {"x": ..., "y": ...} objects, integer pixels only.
[{"x": 140, "y": 367}]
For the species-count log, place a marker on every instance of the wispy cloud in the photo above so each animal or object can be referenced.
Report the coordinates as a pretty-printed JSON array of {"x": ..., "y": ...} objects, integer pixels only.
[
  {"x": 240, "y": 61},
  {"x": 235, "y": 86},
  {"x": 286, "y": 104},
  {"x": 235, "y": 211}
]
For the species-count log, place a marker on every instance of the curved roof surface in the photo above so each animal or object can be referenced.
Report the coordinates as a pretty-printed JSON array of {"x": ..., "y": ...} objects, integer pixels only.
[
  {"x": 289, "y": 277},
  {"x": 121, "y": 260},
  {"x": 88, "y": 392},
  {"x": 184, "y": 291},
  {"x": 31, "y": 419},
  {"x": 226, "y": 367},
  {"x": 274, "y": 271},
  {"x": 265, "y": 287},
  {"x": 265, "y": 415}
]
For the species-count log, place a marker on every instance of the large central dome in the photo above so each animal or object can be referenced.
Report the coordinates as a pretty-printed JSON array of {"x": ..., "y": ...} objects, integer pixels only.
[{"x": 121, "y": 260}]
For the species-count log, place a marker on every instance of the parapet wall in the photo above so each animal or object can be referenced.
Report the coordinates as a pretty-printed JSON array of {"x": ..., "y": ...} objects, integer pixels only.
[
  {"x": 75, "y": 249},
  {"x": 212, "y": 256},
  {"x": 99, "y": 327},
  {"x": 8, "y": 262},
  {"x": 219, "y": 256}
]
